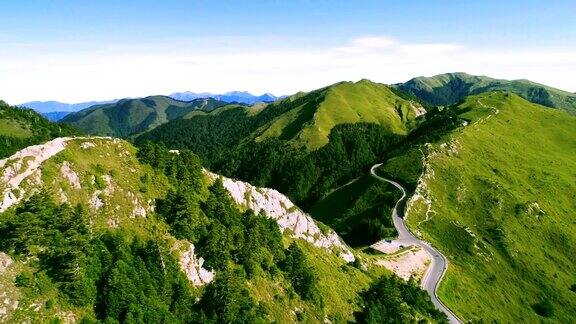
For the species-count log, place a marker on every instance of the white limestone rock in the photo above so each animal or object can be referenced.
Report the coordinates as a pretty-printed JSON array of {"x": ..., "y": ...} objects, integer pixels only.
[
  {"x": 70, "y": 175},
  {"x": 193, "y": 267},
  {"x": 21, "y": 166},
  {"x": 289, "y": 217},
  {"x": 109, "y": 190},
  {"x": 138, "y": 211},
  {"x": 87, "y": 145},
  {"x": 95, "y": 202}
]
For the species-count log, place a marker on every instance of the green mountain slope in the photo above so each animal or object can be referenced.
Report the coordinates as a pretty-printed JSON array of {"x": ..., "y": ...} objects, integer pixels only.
[
  {"x": 94, "y": 230},
  {"x": 21, "y": 127},
  {"x": 129, "y": 116},
  {"x": 498, "y": 198},
  {"x": 303, "y": 120},
  {"x": 450, "y": 88},
  {"x": 310, "y": 124},
  {"x": 498, "y": 172}
]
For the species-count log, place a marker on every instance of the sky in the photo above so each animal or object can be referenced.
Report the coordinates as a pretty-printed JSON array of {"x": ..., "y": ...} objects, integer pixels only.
[{"x": 74, "y": 51}]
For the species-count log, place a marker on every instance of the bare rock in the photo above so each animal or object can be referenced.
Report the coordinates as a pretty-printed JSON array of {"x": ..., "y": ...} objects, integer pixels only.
[
  {"x": 87, "y": 145},
  {"x": 289, "y": 217},
  {"x": 139, "y": 210},
  {"x": 70, "y": 175},
  {"x": 193, "y": 267},
  {"x": 23, "y": 164},
  {"x": 95, "y": 202},
  {"x": 109, "y": 190}
]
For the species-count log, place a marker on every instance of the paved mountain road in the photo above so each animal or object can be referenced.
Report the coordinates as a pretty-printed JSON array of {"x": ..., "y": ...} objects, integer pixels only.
[{"x": 439, "y": 263}]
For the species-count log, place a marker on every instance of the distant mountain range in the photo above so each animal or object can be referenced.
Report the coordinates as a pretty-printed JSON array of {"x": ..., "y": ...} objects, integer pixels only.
[
  {"x": 55, "y": 116},
  {"x": 55, "y": 110},
  {"x": 55, "y": 106},
  {"x": 233, "y": 96}
]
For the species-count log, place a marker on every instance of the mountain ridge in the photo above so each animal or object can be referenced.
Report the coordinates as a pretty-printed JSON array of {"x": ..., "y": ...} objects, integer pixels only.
[
  {"x": 245, "y": 97},
  {"x": 450, "y": 88},
  {"x": 129, "y": 116}
]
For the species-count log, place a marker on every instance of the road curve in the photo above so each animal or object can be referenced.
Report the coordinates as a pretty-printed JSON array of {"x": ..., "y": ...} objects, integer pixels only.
[{"x": 439, "y": 263}]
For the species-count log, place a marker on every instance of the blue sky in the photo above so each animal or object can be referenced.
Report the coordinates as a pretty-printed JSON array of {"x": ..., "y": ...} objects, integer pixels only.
[{"x": 83, "y": 50}]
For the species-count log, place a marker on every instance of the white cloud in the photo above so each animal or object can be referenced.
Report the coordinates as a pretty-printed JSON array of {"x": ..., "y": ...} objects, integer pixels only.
[{"x": 74, "y": 75}]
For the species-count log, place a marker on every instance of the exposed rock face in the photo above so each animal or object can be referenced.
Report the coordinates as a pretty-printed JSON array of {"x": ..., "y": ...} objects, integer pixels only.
[
  {"x": 138, "y": 211},
  {"x": 192, "y": 267},
  {"x": 422, "y": 194},
  {"x": 23, "y": 164},
  {"x": 5, "y": 262},
  {"x": 87, "y": 145},
  {"x": 417, "y": 110},
  {"x": 95, "y": 202},
  {"x": 109, "y": 190},
  {"x": 289, "y": 217},
  {"x": 70, "y": 175}
]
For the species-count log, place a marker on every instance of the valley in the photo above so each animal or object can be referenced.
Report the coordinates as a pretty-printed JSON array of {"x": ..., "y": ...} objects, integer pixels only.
[{"x": 358, "y": 201}]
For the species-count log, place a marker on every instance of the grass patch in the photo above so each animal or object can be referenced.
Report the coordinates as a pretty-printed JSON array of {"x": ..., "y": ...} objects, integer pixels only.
[
  {"x": 12, "y": 128},
  {"x": 504, "y": 210}
]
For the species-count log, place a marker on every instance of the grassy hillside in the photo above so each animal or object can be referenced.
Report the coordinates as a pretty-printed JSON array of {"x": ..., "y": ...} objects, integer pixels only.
[
  {"x": 310, "y": 124},
  {"x": 129, "y": 116},
  {"x": 503, "y": 209},
  {"x": 450, "y": 88},
  {"x": 304, "y": 145},
  {"x": 21, "y": 127}
]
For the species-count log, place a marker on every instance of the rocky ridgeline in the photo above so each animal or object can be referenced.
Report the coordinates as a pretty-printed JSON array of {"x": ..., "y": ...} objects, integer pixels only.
[
  {"x": 23, "y": 169},
  {"x": 21, "y": 176},
  {"x": 25, "y": 165},
  {"x": 290, "y": 218}
]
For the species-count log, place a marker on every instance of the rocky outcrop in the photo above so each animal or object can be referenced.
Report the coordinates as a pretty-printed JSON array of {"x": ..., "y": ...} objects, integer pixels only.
[
  {"x": 21, "y": 166},
  {"x": 192, "y": 267},
  {"x": 5, "y": 262},
  {"x": 289, "y": 217},
  {"x": 95, "y": 202},
  {"x": 417, "y": 110},
  {"x": 422, "y": 194},
  {"x": 70, "y": 175}
]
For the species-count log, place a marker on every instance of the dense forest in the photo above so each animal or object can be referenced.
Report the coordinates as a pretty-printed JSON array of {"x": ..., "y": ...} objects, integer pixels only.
[
  {"x": 223, "y": 142},
  {"x": 21, "y": 127},
  {"x": 131, "y": 275}
]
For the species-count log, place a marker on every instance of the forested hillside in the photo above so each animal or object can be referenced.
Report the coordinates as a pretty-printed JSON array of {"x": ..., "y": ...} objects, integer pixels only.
[
  {"x": 304, "y": 120},
  {"x": 21, "y": 127},
  {"x": 101, "y": 232},
  {"x": 482, "y": 249},
  {"x": 129, "y": 116}
]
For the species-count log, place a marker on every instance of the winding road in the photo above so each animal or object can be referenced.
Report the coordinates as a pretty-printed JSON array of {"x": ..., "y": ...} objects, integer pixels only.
[{"x": 439, "y": 263}]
